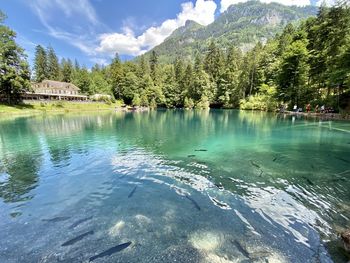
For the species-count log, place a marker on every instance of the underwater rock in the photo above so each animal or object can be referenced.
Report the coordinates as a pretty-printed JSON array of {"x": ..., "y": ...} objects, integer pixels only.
[
  {"x": 115, "y": 230},
  {"x": 181, "y": 253},
  {"x": 206, "y": 241}
]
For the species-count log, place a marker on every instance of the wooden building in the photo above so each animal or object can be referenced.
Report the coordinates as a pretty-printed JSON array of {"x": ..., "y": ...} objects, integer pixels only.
[{"x": 54, "y": 90}]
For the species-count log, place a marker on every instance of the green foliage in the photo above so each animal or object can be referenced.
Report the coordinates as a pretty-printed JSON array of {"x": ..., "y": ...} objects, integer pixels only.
[
  {"x": 153, "y": 103},
  {"x": 153, "y": 63},
  {"x": 203, "y": 103},
  {"x": 40, "y": 64},
  {"x": 242, "y": 25},
  {"x": 99, "y": 84},
  {"x": 53, "y": 67},
  {"x": 82, "y": 79},
  {"x": 136, "y": 101},
  {"x": 14, "y": 69},
  {"x": 115, "y": 76},
  {"x": 308, "y": 62},
  {"x": 59, "y": 104},
  {"x": 144, "y": 100},
  {"x": 129, "y": 85},
  {"x": 67, "y": 70},
  {"x": 188, "y": 103},
  {"x": 264, "y": 100},
  {"x": 294, "y": 72}
]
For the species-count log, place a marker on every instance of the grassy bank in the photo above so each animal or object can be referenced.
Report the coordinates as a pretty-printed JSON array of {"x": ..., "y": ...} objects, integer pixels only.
[{"x": 29, "y": 108}]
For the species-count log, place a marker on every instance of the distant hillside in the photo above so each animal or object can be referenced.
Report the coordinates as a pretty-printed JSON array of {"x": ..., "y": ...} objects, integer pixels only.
[{"x": 243, "y": 25}]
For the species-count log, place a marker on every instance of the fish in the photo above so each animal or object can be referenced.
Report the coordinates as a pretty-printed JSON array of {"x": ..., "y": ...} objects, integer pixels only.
[
  {"x": 255, "y": 164},
  {"x": 241, "y": 249},
  {"x": 342, "y": 159},
  {"x": 274, "y": 159},
  {"x": 220, "y": 204},
  {"x": 191, "y": 156},
  {"x": 83, "y": 220},
  {"x": 201, "y": 150},
  {"x": 308, "y": 180},
  {"x": 110, "y": 251},
  {"x": 193, "y": 202},
  {"x": 132, "y": 192},
  {"x": 76, "y": 239},
  {"x": 219, "y": 185},
  {"x": 56, "y": 219},
  {"x": 344, "y": 172}
]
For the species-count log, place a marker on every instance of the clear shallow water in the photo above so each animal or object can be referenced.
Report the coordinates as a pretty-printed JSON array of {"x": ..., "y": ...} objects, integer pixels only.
[{"x": 182, "y": 186}]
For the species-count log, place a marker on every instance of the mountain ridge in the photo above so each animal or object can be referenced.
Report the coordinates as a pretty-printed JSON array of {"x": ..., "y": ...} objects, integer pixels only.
[{"x": 242, "y": 25}]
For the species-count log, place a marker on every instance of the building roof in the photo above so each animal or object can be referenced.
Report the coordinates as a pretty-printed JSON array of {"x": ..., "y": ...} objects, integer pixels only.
[{"x": 59, "y": 84}]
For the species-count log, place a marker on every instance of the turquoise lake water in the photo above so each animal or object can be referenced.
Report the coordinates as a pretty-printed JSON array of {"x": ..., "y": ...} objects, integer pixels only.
[{"x": 181, "y": 186}]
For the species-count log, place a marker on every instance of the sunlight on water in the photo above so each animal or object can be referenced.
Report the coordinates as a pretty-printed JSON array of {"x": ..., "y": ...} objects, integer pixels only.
[{"x": 184, "y": 186}]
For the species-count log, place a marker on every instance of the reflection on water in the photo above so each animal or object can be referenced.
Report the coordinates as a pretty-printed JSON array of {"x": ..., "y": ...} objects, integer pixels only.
[{"x": 191, "y": 186}]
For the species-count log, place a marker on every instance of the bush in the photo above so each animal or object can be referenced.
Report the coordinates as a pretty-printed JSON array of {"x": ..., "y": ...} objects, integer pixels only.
[
  {"x": 59, "y": 104},
  {"x": 144, "y": 100},
  {"x": 153, "y": 104},
  {"x": 203, "y": 103},
  {"x": 264, "y": 100},
  {"x": 188, "y": 103},
  {"x": 136, "y": 101}
]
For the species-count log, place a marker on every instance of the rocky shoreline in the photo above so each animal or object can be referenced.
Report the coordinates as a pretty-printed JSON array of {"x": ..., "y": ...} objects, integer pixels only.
[{"x": 322, "y": 116}]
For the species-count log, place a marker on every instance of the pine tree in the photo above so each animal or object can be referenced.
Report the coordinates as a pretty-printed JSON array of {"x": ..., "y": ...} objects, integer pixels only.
[
  {"x": 143, "y": 67},
  {"x": 40, "y": 64},
  {"x": 66, "y": 70},
  {"x": 81, "y": 78},
  {"x": 116, "y": 75},
  {"x": 153, "y": 63},
  {"x": 293, "y": 75},
  {"x": 14, "y": 77},
  {"x": 53, "y": 67}
]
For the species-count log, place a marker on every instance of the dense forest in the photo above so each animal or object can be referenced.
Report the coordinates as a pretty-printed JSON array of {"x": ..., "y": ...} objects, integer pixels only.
[
  {"x": 307, "y": 63},
  {"x": 242, "y": 25}
]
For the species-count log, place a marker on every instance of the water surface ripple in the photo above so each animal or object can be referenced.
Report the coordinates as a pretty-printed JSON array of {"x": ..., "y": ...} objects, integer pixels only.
[{"x": 173, "y": 186}]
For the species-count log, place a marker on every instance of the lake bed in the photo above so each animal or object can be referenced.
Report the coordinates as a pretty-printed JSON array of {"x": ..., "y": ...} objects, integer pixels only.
[{"x": 191, "y": 186}]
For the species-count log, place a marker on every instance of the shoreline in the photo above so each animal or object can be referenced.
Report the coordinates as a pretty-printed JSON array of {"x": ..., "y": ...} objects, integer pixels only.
[
  {"x": 37, "y": 108},
  {"x": 322, "y": 116},
  {"x": 57, "y": 107}
]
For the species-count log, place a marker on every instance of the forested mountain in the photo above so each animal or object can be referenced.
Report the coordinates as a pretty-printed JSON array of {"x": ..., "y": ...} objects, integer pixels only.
[
  {"x": 307, "y": 63},
  {"x": 242, "y": 25}
]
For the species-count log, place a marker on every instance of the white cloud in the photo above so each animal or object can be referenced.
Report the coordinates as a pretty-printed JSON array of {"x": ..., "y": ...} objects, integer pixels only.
[
  {"x": 99, "y": 61},
  {"x": 226, "y": 3},
  {"x": 82, "y": 8},
  {"x": 49, "y": 10},
  {"x": 325, "y": 2},
  {"x": 203, "y": 12}
]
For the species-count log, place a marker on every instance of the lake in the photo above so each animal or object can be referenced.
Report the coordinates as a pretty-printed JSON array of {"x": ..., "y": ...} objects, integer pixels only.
[{"x": 173, "y": 186}]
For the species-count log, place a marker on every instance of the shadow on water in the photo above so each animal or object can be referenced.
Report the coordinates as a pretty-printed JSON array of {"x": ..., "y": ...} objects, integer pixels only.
[{"x": 258, "y": 177}]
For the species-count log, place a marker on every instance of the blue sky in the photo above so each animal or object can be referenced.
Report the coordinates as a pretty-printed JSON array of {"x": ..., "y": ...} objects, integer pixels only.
[{"x": 92, "y": 31}]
